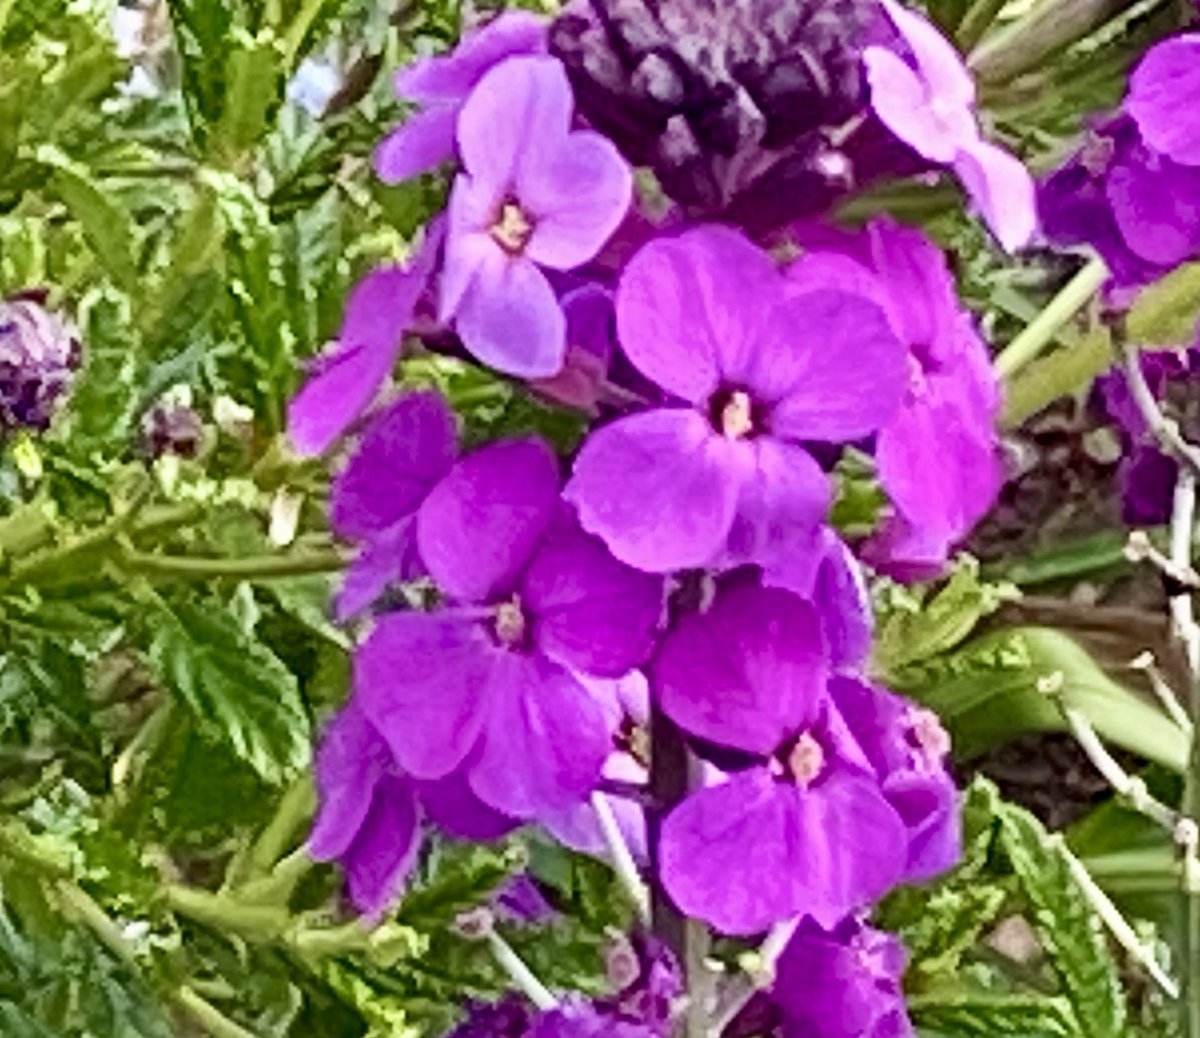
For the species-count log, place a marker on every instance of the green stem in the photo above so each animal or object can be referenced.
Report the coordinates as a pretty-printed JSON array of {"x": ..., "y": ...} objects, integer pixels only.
[
  {"x": 1042, "y": 330},
  {"x": 263, "y": 567},
  {"x": 209, "y": 1016},
  {"x": 295, "y": 808},
  {"x": 298, "y": 30},
  {"x": 1050, "y": 26},
  {"x": 255, "y": 922},
  {"x": 978, "y": 20},
  {"x": 79, "y": 903}
]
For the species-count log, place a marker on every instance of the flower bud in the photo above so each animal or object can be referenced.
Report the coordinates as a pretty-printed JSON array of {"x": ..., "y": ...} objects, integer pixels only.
[{"x": 169, "y": 428}]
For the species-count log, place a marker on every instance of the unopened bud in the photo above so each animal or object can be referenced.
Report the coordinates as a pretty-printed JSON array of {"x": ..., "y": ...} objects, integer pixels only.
[{"x": 39, "y": 355}]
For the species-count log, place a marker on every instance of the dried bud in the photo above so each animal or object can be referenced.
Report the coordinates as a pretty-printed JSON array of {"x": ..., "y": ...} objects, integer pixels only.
[
  {"x": 39, "y": 354},
  {"x": 171, "y": 429},
  {"x": 728, "y": 103}
]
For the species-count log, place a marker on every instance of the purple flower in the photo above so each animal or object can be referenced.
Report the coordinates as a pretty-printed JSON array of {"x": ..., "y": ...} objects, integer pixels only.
[
  {"x": 591, "y": 341},
  {"x": 938, "y": 456},
  {"x": 907, "y": 748},
  {"x": 722, "y": 475},
  {"x": 828, "y": 575},
  {"x": 170, "y": 429},
  {"x": 924, "y": 94},
  {"x": 509, "y": 1018},
  {"x": 584, "y": 1020},
  {"x": 441, "y": 85},
  {"x": 39, "y": 355},
  {"x": 1164, "y": 99},
  {"x": 345, "y": 381},
  {"x": 841, "y": 983},
  {"x": 369, "y": 817},
  {"x": 649, "y": 983},
  {"x": 485, "y": 685},
  {"x": 534, "y": 194},
  {"x": 403, "y": 453},
  {"x": 807, "y": 828}
]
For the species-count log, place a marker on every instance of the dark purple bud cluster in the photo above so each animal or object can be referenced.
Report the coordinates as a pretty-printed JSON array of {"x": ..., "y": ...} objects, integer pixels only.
[{"x": 39, "y": 355}]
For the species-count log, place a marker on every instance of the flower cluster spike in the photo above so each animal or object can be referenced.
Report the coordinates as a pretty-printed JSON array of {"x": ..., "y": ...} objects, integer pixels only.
[{"x": 516, "y": 631}]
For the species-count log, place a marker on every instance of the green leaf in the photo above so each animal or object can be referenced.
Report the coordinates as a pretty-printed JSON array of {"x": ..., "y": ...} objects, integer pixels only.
[
  {"x": 254, "y": 79},
  {"x": 1165, "y": 314},
  {"x": 239, "y": 691},
  {"x": 107, "y": 226},
  {"x": 1068, "y": 928},
  {"x": 997, "y": 1016},
  {"x": 1002, "y": 684}
]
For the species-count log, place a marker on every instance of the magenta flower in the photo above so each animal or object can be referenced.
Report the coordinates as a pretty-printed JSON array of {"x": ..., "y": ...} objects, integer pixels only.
[
  {"x": 534, "y": 194},
  {"x": 938, "y": 456},
  {"x": 1164, "y": 99},
  {"x": 924, "y": 94},
  {"x": 486, "y": 684},
  {"x": 403, "y": 453},
  {"x": 844, "y": 983},
  {"x": 722, "y": 475},
  {"x": 344, "y": 382},
  {"x": 806, "y": 828},
  {"x": 441, "y": 85},
  {"x": 369, "y": 817}
]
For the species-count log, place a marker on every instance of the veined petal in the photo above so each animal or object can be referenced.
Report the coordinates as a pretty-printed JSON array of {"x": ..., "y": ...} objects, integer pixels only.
[
  {"x": 382, "y": 857},
  {"x": 940, "y": 64},
  {"x": 478, "y": 527},
  {"x": 1002, "y": 189},
  {"x": 452, "y": 806},
  {"x": 424, "y": 141},
  {"x": 1164, "y": 98},
  {"x": 422, "y": 680},
  {"x": 351, "y": 759},
  {"x": 901, "y": 99},
  {"x": 659, "y": 488},
  {"x": 390, "y": 556}
]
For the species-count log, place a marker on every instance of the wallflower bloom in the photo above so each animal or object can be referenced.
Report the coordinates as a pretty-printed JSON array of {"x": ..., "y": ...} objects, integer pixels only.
[
  {"x": 722, "y": 475},
  {"x": 534, "y": 194},
  {"x": 441, "y": 85},
  {"x": 483, "y": 686},
  {"x": 403, "y": 453},
  {"x": 844, "y": 983},
  {"x": 926, "y": 97},
  {"x": 345, "y": 381},
  {"x": 938, "y": 456},
  {"x": 369, "y": 817},
  {"x": 807, "y": 828},
  {"x": 1164, "y": 98}
]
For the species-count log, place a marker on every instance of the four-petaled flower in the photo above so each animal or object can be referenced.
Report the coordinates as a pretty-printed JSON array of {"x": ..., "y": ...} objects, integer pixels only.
[{"x": 534, "y": 194}]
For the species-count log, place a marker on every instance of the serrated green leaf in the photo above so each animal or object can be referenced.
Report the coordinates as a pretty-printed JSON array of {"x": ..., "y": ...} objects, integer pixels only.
[
  {"x": 998, "y": 1016},
  {"x": 1068, "y": 928},
  {"x": 238, "y": 690},
  {"x": 1004, "y": 683},
  {"x": 254, "y": 76}
]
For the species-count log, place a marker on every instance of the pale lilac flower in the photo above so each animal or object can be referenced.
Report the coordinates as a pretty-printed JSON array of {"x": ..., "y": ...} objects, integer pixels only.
[
  {"x": 40, "y": 353},
  {"x": 807, "y": 827},
  {"x": 926, "y": 97},
  {"x": 485, "y": 685},
  {"x": 534, "y": 194},
  {"x": 441, "y": 85},
  {"x": 403, "y": 453},
  {"x": 841, "y": 983},
  {"x": 722, "y": 476},
  {"x": 345, "y": 381}
]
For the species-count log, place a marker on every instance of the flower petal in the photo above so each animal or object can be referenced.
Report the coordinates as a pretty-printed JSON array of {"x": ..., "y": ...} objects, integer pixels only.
[
  {"x": 1164, "y": 98},
  {"x": 418, "y": 145},
  {"x": 522, "y": 104},
  {"x": 688, "y": 306},
  {"x": 351, "y": 759},
  {"x": 747, "y": 673},
  {"x": 1002, "y": 190},
  {"x": 389, "y": 557},
  {"x": 577, "y": 194},
  {"x": 901, "y": 100},
  {"x": 403, "y": 452},
  {"x": 1156, "y": 204},
  {"x": 590, "y": 612},
  {"x": 545, "y": 743},
  {"x": 787, "y": 496},
  {"x": 728, "y": 854},
  {"x": 452, "y": 806},
  {"x": 510, "y": 319},
  {"x": 833, "y": 366},
  {"x": 480, "y": 524},
  {"x": 450, "y": 77},
  {"x": 385, "y": 851},
  {"x": 940, "y": 64},
  {"x": 659, "y": 488},
  {"x": 422, "y": 681}
]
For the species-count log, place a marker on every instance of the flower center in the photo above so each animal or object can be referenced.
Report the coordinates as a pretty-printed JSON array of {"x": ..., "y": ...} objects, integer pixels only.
[
  {"x": 928, "y": 737},
  {"x": 510, "y": 622},
  {"x": 512, "y": 228},
  {"x": 806, "y": 761}
]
